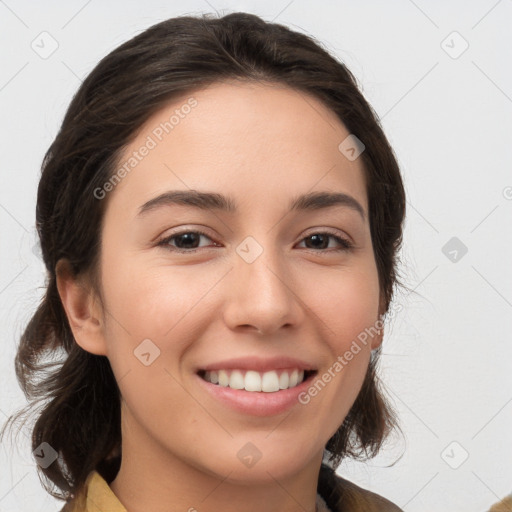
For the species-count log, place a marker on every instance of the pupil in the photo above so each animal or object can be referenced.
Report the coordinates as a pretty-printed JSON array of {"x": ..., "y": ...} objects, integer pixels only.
[
  {"x": 317, "y": 237},
  {"x": 186, "y": 236}
]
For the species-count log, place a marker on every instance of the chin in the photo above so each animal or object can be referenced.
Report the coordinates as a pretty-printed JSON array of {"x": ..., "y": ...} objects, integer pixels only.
[{"x": 261, "y": 466}]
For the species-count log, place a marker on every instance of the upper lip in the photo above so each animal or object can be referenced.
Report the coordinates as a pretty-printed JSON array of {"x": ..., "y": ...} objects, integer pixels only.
[{"x": 259, "y": 364}]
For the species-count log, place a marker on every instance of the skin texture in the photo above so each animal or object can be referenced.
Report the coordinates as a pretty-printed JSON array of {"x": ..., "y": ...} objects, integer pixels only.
[{"x": 262, "y": 144}]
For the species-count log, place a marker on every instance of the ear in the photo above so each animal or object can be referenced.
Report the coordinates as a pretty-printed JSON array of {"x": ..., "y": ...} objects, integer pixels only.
[
  {"x": 82, "y": 309},
  {"x": 379, "y": 336},
  {"x": 379, "y": 326}
]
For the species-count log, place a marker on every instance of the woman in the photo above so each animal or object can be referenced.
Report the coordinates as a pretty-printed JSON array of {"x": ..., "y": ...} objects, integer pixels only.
[{"x": 220, "y": 216}]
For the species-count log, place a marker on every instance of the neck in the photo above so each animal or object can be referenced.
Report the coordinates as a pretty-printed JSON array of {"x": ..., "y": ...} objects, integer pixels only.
[{"x": 149, "y": 479}]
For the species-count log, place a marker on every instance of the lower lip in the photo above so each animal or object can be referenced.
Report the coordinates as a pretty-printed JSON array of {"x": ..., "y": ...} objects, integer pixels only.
[{"x": 257, "y": 403}]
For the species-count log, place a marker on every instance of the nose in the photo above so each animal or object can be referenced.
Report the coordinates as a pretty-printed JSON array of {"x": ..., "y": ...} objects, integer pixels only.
[{"x": 261, "y": 296}]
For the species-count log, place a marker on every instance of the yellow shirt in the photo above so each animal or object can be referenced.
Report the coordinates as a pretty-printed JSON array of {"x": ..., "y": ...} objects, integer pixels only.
[
  {"x": 100, "y": 498},
  {"x": 342, "y": 495}
]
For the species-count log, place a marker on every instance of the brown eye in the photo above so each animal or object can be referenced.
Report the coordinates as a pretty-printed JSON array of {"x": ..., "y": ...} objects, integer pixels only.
[
  {"x": 321, "y": 241},
  {"x": 186, "y": 241}
]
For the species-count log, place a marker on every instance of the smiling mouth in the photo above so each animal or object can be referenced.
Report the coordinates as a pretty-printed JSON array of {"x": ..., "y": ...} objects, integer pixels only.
[{"x": 253, "y": 381}]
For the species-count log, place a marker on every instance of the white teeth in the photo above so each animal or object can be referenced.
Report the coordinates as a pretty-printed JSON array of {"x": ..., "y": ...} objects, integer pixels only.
[
  {"x": 223, "y": 378},
  {"x": 252, "y": 381},
  {"x": 284, "y": 380},
  {"x": 236, "y": 381},
  {"x": 268, "y": 382}
]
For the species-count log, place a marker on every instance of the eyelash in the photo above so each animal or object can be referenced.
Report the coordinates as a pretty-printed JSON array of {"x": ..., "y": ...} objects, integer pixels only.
[{"x": 346, "y": 245}]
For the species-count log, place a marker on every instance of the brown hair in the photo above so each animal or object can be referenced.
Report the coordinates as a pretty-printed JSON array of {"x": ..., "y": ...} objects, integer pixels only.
[{"x": 81, "y": 414}]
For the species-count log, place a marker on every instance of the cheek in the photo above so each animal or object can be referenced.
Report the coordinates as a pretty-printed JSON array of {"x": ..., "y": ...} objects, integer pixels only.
[
  {"x": 152, "y": 301},
  {"x": 150, "y": 321},
  {"x": 347, "y": 306},
  {"x": 154, "y": 317},
  {"x": 347, "y": 302}
]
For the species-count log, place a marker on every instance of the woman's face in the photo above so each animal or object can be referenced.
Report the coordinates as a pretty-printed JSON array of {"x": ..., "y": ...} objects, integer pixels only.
[{"x": 265, "y": 283}]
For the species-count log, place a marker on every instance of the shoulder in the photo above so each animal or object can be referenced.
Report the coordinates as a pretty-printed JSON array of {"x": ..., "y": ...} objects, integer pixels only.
[
  {"x": 94, "y": 494},
  {"x": 77, "y": 504},
  {"x": 505, "y": 505},
  {"x": 342, "y": 495}
]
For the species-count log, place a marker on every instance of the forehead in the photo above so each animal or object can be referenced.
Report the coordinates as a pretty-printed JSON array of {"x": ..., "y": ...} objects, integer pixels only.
[{"x": 256, "y": 141}]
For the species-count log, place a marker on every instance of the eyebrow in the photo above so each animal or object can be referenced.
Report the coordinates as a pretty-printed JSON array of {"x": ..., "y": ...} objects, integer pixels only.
[{"x": 214, "y": 201}]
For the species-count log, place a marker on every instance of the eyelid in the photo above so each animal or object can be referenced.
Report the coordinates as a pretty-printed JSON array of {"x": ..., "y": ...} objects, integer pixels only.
[{"x": 335, "y": 232}]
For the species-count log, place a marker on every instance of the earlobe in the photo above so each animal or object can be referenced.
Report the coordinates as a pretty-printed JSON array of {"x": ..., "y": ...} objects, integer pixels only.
[
  {"x": 379, "y": 325},
  {"x": 82, "y": 310},
  {"x": 377, "y": 339}
]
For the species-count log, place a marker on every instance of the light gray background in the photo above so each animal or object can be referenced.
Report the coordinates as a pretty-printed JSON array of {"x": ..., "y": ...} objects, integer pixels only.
[{"x": 447, "y": 361}]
